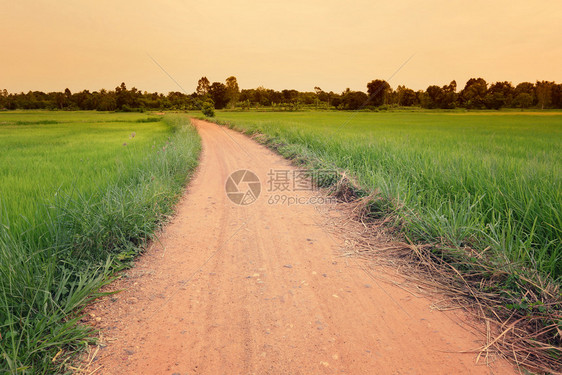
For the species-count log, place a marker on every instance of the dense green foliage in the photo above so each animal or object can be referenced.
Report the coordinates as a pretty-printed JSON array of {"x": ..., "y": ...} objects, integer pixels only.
[
  {"x": 208, "y": 109},
  {"x": 80, "y": 193},
  {"x": 119, "y": 99},
  {"x": 476, "y": 94},
  {"x": 482, "y": 179}
]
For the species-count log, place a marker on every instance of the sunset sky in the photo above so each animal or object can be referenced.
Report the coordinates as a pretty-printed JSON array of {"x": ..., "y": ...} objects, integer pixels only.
[{"x": 51, "y": 45}]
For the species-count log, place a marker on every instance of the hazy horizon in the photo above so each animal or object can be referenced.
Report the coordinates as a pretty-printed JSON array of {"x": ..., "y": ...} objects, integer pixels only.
[{"x": 276, "y": 44}]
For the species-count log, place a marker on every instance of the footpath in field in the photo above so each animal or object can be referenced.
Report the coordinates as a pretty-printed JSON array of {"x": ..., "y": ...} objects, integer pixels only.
[{"x": 260, "y": 289}]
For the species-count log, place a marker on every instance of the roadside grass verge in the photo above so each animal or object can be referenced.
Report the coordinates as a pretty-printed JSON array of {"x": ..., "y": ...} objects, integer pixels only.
[
  {"x": 462, "y": 180},
  {"x": 476, "y": 200},
  {"x": 54, "y": 259}
]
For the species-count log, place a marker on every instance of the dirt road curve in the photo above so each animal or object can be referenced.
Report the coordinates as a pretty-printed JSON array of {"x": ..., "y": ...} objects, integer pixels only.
[{"x": 260, "y": 289}]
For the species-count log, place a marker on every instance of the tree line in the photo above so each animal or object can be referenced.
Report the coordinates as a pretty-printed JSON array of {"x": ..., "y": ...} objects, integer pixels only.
[{"x": 476, "y": 94}]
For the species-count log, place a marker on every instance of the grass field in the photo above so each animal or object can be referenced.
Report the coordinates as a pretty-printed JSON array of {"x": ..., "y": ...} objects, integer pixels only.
[
  {"x": 66, "y": 153},
  {"x": 80, "y": 192},
  {"x": 487, "y": 180}
]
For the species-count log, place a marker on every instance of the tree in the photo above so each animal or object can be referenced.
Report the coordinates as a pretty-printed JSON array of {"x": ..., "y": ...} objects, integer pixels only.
[
  {"x": 474, "y": 93},
  {"x": 527, "y": 100},
  {"x": 406, "y": 97},
  {"x": 79, "y": 100},
  {"x": 203, "y": 86},
  {"x": 378, "y": 90},
  {"x": 3, "y": 98},
  {"x": 179, "y": 100},
  {"x": 505, "y": 88},
  {"x": 440, "y": 97},
  {"x": 307, "y": 97},
  {"x": 218, "y": 93},
  {"x": 326, "y": 97},
  {"x": 557, "y": 96},
  {"x": 123, "y": 97},
  {"x": 544, "y": 93},
  {"x": 60, "y": 100},
  {"x": 353, "y": 100},
  {"x": 523, "y": 100},
  {"x": 435, "y": 96},
  {"x": 290, "y": 96},
  {"x": 500, "y": 94},
  {"x": 208, "y": 109},
  {"x": 107, "y": 101},
  {"x": 232, "y": 91},
  {"x": 526, "y": 87},
  {"x": 494, "y": 100},
  {"x": 318, "y": 91},
  {"x": 449, "y": 100}
]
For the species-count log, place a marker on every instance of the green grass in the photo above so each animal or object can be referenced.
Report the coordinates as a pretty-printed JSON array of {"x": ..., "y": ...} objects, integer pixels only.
[
  {"x": 76, "y": 204},
  {"x": 40, "y": 161},
  {"x": 476, "y": 179}
]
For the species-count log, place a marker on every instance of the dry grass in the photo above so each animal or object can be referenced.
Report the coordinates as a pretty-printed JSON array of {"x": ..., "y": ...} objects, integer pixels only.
[
  {"x": 87, "y": 363},
  {"x": 521, "y": 310},
  {"x": 521, "y": 313}
]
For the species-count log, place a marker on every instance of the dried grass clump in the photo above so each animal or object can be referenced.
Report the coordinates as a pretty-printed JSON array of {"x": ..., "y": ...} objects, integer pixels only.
[{"x": 521, "y": 311}]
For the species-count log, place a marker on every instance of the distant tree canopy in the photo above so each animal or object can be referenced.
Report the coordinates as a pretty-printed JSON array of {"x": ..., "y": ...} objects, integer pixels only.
[
  {"x": 476, "y": 94},
  {"x": 232, "y": 91},
  {"x": 218, "y": 93},
  {"x": 120, "y": 99},
  {"x": 440, "y": 97},
  {"x": 203, "y": 86},
  {"x": 353, "y": 100},
  {"x": 378, "y": 91}
]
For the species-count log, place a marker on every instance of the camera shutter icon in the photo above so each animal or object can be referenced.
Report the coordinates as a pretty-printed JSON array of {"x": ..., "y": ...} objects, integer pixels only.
[{"x": 243, "y": 187}]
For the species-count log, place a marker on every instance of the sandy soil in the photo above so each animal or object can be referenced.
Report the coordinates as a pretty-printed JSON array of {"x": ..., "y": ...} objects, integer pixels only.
[{"x": 260, "y": 289}]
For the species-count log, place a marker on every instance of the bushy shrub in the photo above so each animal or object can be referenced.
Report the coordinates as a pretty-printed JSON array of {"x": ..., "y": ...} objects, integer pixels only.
[{"x": 208, "y": 109}]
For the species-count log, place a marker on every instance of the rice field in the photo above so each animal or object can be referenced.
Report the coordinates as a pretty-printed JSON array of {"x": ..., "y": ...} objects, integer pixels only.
[
  {"x": 80, "y": 193},
  {"x": 491, "y": 181}
]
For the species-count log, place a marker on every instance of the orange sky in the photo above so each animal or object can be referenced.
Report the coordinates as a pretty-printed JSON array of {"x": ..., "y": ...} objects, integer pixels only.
[{"x": 50, "y": 45}]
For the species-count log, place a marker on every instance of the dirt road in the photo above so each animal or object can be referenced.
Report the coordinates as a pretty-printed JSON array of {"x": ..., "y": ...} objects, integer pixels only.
[{"x": 260, "y": 289}]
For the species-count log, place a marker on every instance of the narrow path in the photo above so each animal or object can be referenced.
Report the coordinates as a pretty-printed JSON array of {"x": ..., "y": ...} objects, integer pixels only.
[{"x": 259, "y": 289}]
